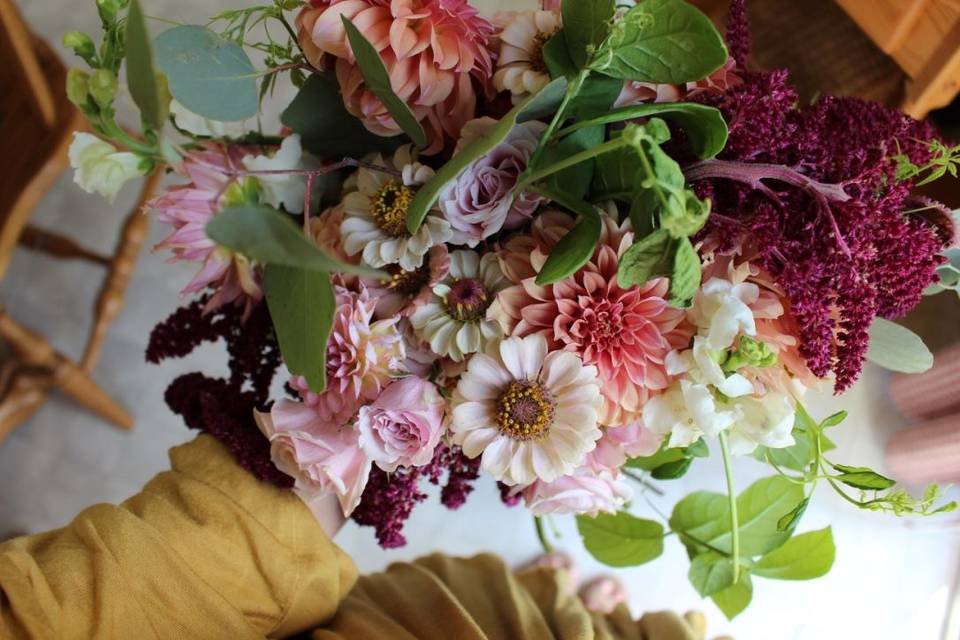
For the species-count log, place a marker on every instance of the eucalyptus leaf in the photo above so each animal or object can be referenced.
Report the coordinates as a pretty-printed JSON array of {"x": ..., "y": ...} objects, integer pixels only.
[
  {"x": 685, "y": 275},
  {"x": 648, "y": 258},
  {"x": 585, "y": 25},
  {"x": 539, "y": 105},
  {"x": 302, "y": 306},
  {"x": 141, "y": 77},
  {"x": 209, "y": 75},
  {"x": 268, "y": 236},
  {"x": 377, "y": 79},
  {"x": 661, "y": 41},
  {"x": 574, "y": 249},
  {"x": 711, "y": 573},
  {"x": 802, "y": 557},
  {"x": 326, "y": 129},
  {"x": 895, "y": 347},
  {"x": 621, "y": 540},
  {"x": 705, "y": 127},
  {"x": 733, "y": 600}
]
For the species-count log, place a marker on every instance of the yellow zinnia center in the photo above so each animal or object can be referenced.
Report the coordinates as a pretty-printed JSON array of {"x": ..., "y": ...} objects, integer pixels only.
[
  {"x": 524, "y": 411},
  {"x": 389, "y": 208}
]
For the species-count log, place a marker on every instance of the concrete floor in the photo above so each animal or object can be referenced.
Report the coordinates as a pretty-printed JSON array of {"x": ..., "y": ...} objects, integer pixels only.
[{"x": 891, "y": 579}]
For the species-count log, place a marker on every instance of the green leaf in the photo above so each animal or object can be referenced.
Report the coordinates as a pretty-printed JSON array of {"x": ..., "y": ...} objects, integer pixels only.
[
  {"x": 663, "y": 456},
  {"x": 711, "y": 573},
  {"x": 209, "y": 75},
  {"x": 803, "y": 557},
  {"x": 616, "y": 176},
  {"x": 648, "y": 258},
  {"x": 302, "y": 306},
  {"x": 662, "y": 41},
  {"x": 539, "y": 105},
  {"x": 596, "y": 97},
  {"x": 705, "y": 127},
  {"x": 733, "y": 600},
  {"x": 863, "y": 478},
  {"x": 685, "y": 276},
  {"x": 268, "y": 236},
  {"x": 377, "y": 79},
  {"x": 574, "y": 249},
  {"x": 795, "y": 457},
  {"x": 672, "y": 470},
  {"x": 833, "y": 420},
  {"x": 141, "y": 77},
  {"x": 790, "y": 521},
  {"x": 705, "y": 515},
  {"x": 326, "y": 128},
  {"x": 556, "y": 57},
  {"x": 585, "y": 25},
  {"x": 573, "y": 182},
  {"x": 621, "y": 540},
  {"x": 897, "y": 348},
  {"x": 698, "y": 449}
]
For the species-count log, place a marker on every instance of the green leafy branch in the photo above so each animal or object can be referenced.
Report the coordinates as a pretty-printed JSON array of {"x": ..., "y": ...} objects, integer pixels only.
[{"x": 945, "y": 160}]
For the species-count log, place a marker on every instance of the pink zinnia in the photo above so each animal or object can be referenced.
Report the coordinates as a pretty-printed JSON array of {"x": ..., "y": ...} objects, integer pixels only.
[
  {"x": 188, "y": 208},
  {"x": 433, "y": 49},
  {"x": 625, "y": 333},
  {"x": 363, "y": 355}
]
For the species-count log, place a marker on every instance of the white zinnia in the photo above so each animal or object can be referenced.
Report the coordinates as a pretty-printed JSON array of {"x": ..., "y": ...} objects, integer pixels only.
[
  {"x": 99, "y": 167},
  {"x": 521, "y": 68},
  {"x": 376, "y": 214},
  {"x": 287, "y": 190},
  {"x": 532, "y": 415},
  {"x": 455, "y": 322}
]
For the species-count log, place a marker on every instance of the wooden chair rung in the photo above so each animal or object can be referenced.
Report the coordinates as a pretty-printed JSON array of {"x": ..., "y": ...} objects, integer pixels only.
[{"x": 60, "y": 246}]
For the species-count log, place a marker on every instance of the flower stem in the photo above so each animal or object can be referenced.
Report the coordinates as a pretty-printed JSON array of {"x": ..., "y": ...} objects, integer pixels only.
[
  {"x": 542, "y": 535},
  {"x": 732, "y": 501},
  {"x": 572, "y": 90},
  {"x": 577, "y": 158}
]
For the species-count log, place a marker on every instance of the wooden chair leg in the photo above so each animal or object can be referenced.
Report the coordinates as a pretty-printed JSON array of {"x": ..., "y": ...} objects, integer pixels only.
[
  {"x": 34, "y": 351},
  {"x": 38, "y": 239},
  {"x": 22, "y": 397},
  {"x": 121, "y": 268}
]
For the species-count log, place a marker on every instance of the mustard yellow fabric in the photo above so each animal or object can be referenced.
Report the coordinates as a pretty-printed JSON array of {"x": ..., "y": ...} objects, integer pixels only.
[{"x": 207, "y": 551}]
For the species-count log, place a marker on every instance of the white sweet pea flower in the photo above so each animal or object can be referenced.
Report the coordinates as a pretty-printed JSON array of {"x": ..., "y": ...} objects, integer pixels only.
[
  {"x": 766, "y": 421},
  {"x": 99, "y": 167},
  {"x": 721, "y": 311},
  {"x": 199, "y": 126},
  {"x": 287, "y": 190}
]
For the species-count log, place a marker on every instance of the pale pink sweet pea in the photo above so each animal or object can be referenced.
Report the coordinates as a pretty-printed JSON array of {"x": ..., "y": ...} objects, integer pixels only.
[
  {"x": 403, "y": 426},
  {"x": 321, "y": 458},
  {"x": 584, "y": 492}
]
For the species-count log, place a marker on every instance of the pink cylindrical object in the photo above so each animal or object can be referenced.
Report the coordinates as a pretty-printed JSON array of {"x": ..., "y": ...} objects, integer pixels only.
[
  {"x": 933, "y": 393},
  {"x": 929, "y": 452}
]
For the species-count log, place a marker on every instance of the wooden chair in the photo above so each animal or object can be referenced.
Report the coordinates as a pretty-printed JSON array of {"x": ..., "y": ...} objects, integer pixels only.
[{"x": 36, "y": 126}]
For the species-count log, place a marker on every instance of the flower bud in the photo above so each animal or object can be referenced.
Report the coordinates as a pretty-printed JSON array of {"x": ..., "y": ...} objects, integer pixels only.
[
  {"x": 82, "y": 45},
  {"x": 109, "y": 9},
  {"x": 78, "y": 88},
  {"x": 750, "y": 353},
  {"x": 103, "y": 87}
]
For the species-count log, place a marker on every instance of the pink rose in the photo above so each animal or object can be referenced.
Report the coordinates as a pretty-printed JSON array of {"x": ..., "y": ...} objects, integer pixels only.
[
  {"x": 603, "y": 595},
  {"x": 582, "y": 492},
  {"x": 479, "y": 203},
  {"x": 321, "y": 458},
  {"x": 617, "y": 444},
  {"x": 403, "y": 425}
]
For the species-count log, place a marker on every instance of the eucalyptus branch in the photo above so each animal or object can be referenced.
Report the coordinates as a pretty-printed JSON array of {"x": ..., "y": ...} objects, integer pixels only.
[{"x": 732, "y": 500}]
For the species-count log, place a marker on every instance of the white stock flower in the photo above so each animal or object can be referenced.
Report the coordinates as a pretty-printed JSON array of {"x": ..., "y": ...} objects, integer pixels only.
[
  {"x": 99, "y": 167},
  {"x": 287, "y": 190}
]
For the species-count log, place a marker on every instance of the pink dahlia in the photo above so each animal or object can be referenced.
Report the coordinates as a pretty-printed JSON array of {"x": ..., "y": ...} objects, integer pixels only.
[
  {"x": 625, "y": 333},
  {"x": 433, "y": 50},
  {"x": 363, "y": 355},
  {"x": 189, "y": 207}
]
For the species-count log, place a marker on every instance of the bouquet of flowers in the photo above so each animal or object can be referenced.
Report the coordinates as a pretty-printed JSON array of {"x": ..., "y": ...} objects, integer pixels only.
[{"x": 570, "y": 249}]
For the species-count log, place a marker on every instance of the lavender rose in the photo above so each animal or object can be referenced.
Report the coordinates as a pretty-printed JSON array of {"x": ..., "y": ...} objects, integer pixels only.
[
  {"x": 403, "y": 425},
  {"x": 479, "y": 203}
]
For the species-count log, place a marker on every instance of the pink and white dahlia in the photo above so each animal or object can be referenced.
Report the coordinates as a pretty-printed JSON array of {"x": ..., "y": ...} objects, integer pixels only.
[
  {"x": 480, "y": 202},
  {"x": 531, "y": 414},
  {"x": 363, "y": 356},
  {"x": 433, "y": 51},
  {"x": 189, "y": 207},
  {"x": 403, "y": 426},
  {"x": 404, "y": 292},
  {"x": 625, "y": 333},
  {"x": 320, "y": 457},
  {"x": 521, "y": 69},
  {"x": 584, "y": 492}
]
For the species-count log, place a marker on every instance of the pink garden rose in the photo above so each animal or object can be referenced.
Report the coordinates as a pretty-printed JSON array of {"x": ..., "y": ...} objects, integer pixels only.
[
  {"x": 321, "y": 458},
  {"x": 403, "y": 425},
  {"x": 479, "y": 203},
  {"x": 582, "y": 492},
  {"x": 618, "y": 444}
]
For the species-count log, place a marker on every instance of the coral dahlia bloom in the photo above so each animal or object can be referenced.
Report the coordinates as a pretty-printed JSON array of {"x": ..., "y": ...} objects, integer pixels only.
[
  {"x": 363, "y": 355},
  {"x": 531, "y": 414},
  {"x": 189, "y": 207},
  {"x": 432, "y": 50},
  {"x": 625, "y": 333}
]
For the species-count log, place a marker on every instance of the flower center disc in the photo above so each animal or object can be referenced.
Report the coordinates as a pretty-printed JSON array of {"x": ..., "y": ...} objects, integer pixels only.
[
  {"x": 389, "y": 208},
  {"x": 468, "y": 300},
  {"x": 524, "y": 411},
  {"x": 407, "y": 283},
  {"x": 537, "y": 62}
]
